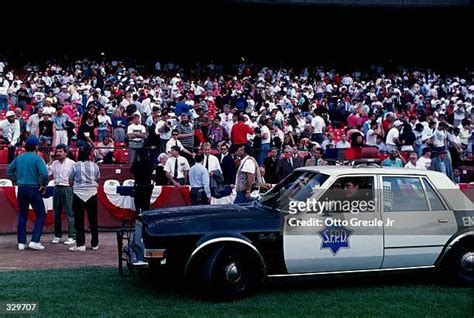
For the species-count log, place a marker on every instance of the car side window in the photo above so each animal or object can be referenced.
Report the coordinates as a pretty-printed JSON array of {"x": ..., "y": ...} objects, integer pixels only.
[
  {"x": 350, "y": 195},
  {"x": 435, "y": 201},
  {"x": 402, "y": 194}
]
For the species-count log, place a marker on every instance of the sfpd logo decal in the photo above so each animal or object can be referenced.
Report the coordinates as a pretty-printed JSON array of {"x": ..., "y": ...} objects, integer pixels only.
[{"x": 335, "y": 238}]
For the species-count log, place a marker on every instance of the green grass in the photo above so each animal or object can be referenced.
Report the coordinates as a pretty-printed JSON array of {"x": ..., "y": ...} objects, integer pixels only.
[{"x": 101, "y": 292}]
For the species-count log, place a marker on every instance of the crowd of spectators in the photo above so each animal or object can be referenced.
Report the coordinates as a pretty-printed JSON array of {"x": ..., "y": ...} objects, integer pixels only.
[{"x": 412, "y": 118}]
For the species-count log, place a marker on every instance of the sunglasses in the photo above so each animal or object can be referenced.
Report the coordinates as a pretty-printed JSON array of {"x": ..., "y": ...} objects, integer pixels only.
[{"x": 411, "y": 158}]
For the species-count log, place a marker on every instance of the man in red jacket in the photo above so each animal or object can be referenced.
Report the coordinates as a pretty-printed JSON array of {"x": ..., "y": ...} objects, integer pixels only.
[{"x": 238, "y": 134}]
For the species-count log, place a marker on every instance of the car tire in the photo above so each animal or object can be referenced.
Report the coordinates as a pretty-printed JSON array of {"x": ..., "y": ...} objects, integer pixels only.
[
  {"x": 462, "y": 269},
  {"x": 230, "y": 273}
]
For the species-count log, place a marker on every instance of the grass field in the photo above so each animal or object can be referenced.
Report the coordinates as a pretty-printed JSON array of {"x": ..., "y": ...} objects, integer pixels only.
[{"x": 101, "y": 292}]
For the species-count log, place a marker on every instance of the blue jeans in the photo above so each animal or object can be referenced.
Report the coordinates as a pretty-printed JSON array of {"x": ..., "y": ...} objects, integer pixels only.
[
  {"x": 263, "y": 153},
  {"x": 3, "y": 102},
  {"x": 30, "y": 195},
  {"x": 102, "y": 133},
  {"x": 240, "y": 198}
]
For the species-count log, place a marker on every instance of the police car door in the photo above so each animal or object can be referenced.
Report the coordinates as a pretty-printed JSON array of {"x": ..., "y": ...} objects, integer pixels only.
[
  {"x": 345, "y": 236},
  {"x": 420, "y": 222}
]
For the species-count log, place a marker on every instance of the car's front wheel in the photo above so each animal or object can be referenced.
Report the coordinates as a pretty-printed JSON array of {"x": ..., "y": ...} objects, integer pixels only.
[{"x": 230, "y": 272}]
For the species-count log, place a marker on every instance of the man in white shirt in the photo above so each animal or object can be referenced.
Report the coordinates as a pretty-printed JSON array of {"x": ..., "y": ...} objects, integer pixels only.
[
  {"x": 104, "y": 124},
  {"x": 371, "y": 137},
  {"x": 425, "y": 159},
  {"x": 328, "y": 141},
  {"x": 174, "y": 141},
  {"x": 176, "y": 168},
  {"x": 210, "y": 162},
  {"x": 136, "y": 136},
  {"x": 10, "y": 129},
  {"x": 392, "y": 136},
  {"x": 248, "y": 175},
  {"x": 62, "y": 198},
  {"x": 318, "y": 125},
  {"x": 439, "y": 140},
  {"x": 33, "y": 122},
  {"x": 413, "y": 163},
  {"x": 343, "y": 143}
]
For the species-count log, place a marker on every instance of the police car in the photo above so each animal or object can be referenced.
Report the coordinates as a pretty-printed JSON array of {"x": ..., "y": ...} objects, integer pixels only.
[{"x": 317, "y": 221}]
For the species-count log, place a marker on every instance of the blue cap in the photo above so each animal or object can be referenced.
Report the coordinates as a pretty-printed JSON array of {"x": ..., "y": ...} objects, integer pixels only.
[{"x": 32, "y": 141}]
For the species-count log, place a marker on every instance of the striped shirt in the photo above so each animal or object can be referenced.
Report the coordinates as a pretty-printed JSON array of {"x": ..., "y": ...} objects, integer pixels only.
[{"x": 84, "y": 175}]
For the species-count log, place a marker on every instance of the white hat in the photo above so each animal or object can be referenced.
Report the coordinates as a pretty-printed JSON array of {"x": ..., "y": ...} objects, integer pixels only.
[
  {"x": 397, "y": 123},
  {"x": 10, "y": 113},
  {"x": 46, "y": 111}
]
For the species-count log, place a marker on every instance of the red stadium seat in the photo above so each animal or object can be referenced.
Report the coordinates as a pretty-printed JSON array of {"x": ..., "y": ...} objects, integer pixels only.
[
  {"x": 121, "y": 155},
  {"x": 369, "y": 152},
  {"x": 4, "y": 156}
]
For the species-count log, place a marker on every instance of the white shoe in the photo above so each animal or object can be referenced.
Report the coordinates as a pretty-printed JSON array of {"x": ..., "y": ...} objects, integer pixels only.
[
  {"x": 21, "y": 246},
  {"x": 95, "y": 247},
  {"x": 36, "y": 246},
  {"x": 69, "y": 241},
  {"x": 56, "y": 240},
  {"x": 78, "y": 248}
]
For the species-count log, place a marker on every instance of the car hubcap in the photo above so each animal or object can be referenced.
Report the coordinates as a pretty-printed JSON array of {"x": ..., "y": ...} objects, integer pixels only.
[
  {"x": 232, "y": 273},
  {"x": 467, "y": 261}
]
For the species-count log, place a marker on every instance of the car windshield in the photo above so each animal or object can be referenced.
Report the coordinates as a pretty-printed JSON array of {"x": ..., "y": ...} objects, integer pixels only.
[{"x": 298, "y": 186}]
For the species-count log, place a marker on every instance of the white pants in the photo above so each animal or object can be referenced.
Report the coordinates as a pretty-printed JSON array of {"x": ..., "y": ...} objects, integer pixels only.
[{"x": 61, "y": 137}]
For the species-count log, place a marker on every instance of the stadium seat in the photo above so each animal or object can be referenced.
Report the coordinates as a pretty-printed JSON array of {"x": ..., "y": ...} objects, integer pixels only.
[
  {"x": 6, "y": 183},
  {"x": 121, "y": 155},
  {"x": 370, "y": 152},
  {"x": 129, "y": 183},
  {"x": 4, "y": 156}
]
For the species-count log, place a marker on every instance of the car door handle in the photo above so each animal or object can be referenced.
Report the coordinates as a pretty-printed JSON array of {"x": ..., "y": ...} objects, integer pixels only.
[{"x": 443, "y": 221}]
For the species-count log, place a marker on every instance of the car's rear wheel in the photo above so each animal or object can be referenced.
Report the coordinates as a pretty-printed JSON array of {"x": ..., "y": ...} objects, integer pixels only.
[
  {"x": 230, "y": 272},
  {"x": 462, "y": 265}
]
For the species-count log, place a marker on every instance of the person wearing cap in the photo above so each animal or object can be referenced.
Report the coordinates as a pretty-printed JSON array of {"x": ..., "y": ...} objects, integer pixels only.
[
  {"x": 10, "y": 128},
  {"x": 60, "y": 121},
  {"x": 46, "y": 129},
  {"x": 30, "y": 173},
  {"x": 441, "y": 163},
  {"x": 394, "y": 159},
  {"x": 62, "y": 198},
  {"x": 393, "y": 135}
]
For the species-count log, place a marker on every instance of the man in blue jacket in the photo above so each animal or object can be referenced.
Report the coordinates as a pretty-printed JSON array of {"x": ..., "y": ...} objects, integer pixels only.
[{"x": 31, "y": 176}]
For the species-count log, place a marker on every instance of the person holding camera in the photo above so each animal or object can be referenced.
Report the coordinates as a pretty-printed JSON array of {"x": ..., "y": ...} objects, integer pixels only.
[{"x": 163, "y": 129}]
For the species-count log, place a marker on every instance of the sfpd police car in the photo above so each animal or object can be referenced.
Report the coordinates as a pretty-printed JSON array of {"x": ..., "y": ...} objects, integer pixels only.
[{"x": 317, "y": 221}]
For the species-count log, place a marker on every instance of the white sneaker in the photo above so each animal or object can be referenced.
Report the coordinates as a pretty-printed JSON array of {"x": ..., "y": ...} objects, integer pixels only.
[
  {"x": 78, "y": 248},
  {"x": 69, "y": 241},
  {"x": 21, "y": 246},
  {"x": 95, "y": 247},
  {"x": 56, "y": 240},
  {"x": 36, "y": 246}
]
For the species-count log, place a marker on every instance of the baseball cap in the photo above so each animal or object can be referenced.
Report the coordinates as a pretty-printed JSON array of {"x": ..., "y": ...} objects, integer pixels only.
[
  {"x": 32, "y": 141},
  {"x": 398, "y": 123},
  {"x": 10, "y": 113}
]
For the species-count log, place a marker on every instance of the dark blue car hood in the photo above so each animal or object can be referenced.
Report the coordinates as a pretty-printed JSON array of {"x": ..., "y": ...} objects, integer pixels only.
[{"x": 211, "y": 218}]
